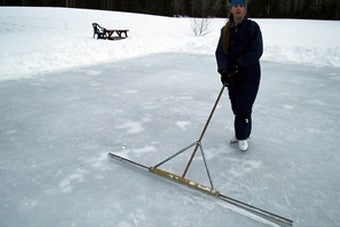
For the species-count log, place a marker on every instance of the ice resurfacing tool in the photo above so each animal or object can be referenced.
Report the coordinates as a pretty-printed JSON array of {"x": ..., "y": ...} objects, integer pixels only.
[{"x": 181, "y": 179}]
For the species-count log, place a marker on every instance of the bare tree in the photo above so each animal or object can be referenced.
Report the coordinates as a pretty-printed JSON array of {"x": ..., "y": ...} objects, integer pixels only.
[{"x": 200, "y": 27}]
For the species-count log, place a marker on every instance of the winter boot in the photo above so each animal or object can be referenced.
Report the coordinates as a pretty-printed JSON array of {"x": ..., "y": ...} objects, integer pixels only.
[
  {"x": 233, "y": 140},
  {"x": 243, "y": 145}
]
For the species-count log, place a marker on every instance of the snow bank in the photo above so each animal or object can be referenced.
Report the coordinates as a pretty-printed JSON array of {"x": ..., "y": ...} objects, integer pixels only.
[{"x": 37, "y": 40}]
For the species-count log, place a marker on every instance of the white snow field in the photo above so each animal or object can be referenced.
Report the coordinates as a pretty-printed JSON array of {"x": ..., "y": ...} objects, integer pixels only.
[{"x": 66, "y": 100}]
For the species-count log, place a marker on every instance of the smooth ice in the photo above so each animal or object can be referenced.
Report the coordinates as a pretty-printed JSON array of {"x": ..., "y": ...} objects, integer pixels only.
[{"x": 56, "y": 131}]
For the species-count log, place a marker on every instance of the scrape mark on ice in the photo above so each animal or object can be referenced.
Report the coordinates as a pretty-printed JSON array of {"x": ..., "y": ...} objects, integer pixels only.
[
  {"x": 10, "y": 132},
  {"x": 132, "y": 127},
  {"x": 145, "y": 149},
  {"x": 317, "y": 102},
  {"x": 183, "y": 124},
  {"x": 246, "y": 213}
]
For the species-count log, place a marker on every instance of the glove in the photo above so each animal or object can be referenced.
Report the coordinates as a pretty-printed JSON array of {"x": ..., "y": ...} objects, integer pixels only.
[
  {"x": 225, "y": 77},
  {"x": 233, "y": 70}
]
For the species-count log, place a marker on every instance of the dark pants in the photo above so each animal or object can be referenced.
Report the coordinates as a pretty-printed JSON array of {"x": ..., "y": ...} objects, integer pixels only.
[{"x": 242, "y": 94}]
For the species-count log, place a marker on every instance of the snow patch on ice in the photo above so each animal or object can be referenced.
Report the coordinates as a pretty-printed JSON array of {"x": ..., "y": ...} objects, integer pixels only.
[
  {"x": 99, "y": 162},
  {"x": 66, "y": 184},
  {"x": 183, "y": 124},
  {"x": 313, "y": 130},
  {"x": 145, "y": 149},
  {"x": 132, "y": 127},
  {"x": 28, "y": 203},
  {"x": 216, "y": 152},
  {"x": 241, "y": 168},
  {"x": 95, "y": 83},
  {"x": 10, "y": 132},
  {"x": 147, "y": 119},
  {"x": 138, "y": 216},
  {"x": 288, "y": 107}
]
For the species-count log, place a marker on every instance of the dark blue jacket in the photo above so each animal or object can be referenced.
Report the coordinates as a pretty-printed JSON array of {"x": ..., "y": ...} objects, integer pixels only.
[{"x": 245, "y": 50}]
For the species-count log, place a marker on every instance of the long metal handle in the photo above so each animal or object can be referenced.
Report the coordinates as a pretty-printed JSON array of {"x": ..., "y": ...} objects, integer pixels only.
[{"x": 203, "y": 132}]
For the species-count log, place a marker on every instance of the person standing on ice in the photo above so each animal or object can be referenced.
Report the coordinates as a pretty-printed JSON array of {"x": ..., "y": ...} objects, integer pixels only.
[{"x": 238, "y": 52}]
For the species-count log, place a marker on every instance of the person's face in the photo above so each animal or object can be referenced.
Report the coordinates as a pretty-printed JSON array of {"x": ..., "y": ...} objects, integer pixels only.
[{"x": 238, "y": 11}]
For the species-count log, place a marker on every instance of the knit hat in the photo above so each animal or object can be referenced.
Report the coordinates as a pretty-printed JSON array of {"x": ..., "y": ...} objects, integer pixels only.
[{"x": 237, "y": 2}]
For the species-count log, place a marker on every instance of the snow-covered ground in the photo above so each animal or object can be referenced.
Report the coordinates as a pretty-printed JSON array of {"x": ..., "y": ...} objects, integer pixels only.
[
  {"x": 67, "y": 99},
  {"x": 39, "y": 40}
]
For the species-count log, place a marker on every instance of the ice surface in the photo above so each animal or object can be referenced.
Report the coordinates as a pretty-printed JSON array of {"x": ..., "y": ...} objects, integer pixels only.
[{"x": 56, "y": 130}]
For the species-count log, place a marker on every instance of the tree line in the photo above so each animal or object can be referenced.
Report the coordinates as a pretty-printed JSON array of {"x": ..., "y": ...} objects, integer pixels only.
[{"x": 305, "y": 9}]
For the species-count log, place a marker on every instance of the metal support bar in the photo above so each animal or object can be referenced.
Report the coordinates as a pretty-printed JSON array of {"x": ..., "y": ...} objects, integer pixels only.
[
  {"x": 203, "y": 132},
  {"x": 206, "y": 166},
  {"x": 174, "y": 155},
  {"x": 198, "y": 144}
]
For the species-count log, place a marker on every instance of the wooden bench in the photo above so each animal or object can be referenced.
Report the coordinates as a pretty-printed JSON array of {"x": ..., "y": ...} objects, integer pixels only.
[{"x": 103, "y": 33}]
